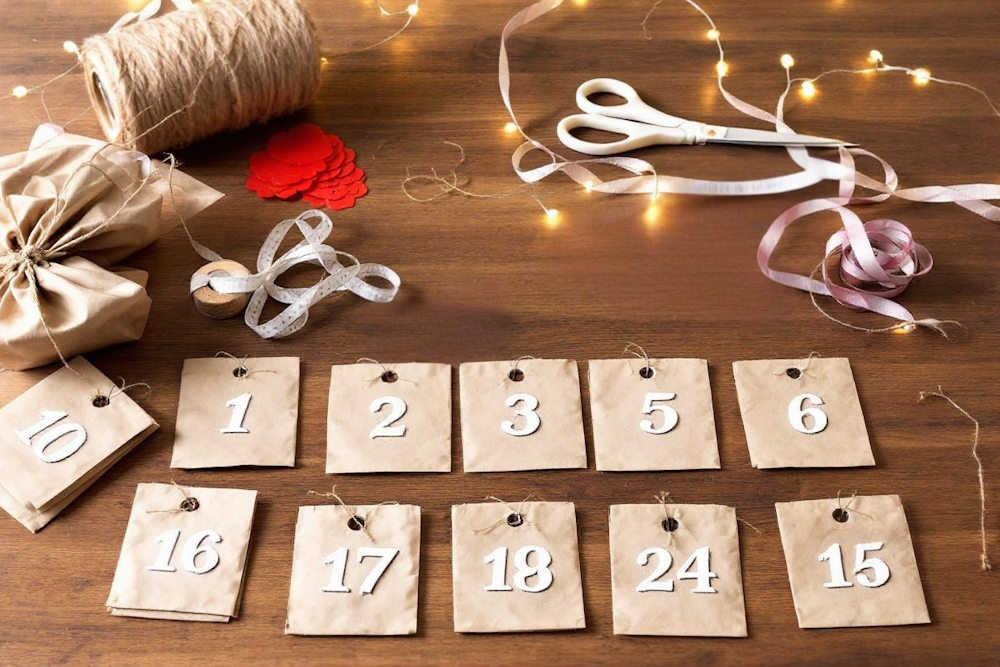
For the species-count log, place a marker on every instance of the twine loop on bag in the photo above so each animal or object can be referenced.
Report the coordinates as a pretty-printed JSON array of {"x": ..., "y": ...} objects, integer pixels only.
[
  {"x": 354, "y": 520},
  {"x": 634, "y": 350},
  {"x": 513, "y": 519},
  {"x": 189, "y": 504}
]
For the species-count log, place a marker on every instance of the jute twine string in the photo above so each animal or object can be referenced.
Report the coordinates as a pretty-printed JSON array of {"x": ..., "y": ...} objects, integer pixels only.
[
  {"x": 387, "y": 372},
  {"x": 984, "y": 561},
  {"x": 351, "y": 511},
  {"x": 242, "y": 371},
  {"x": 519, "y": 513},
  {"x": 634, "y": 350},
  {"x": 189, "y": 504},
  {"x": 515, "y": 366},
  {"x": 186, "y": 75}
]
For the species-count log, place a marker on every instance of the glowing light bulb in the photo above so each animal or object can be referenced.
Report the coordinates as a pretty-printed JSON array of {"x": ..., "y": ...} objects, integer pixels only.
[
  {"x": 904, "y": 328},
  {"x": 324, "y": 60},
  {"x": 71, "y": 47},
  {"x": 921, "y": 76},
  {"x": 510, "y": 128},
  {"x": 652, "y": 213},
  {"x": 875, "y": 56},
  {"x": 588, "y": 186},
  {"x": 787, "y": 61},
  {"x": 712, "y": 34},
  {"x": 551, "y": 213},
  {"x": 579, "y": 3},
  {"x": 413, "y": 9},
  {"x": 808, "y": 90},
  {"x": 19, "y": 91},
  {"x": 722, "y": 68}
]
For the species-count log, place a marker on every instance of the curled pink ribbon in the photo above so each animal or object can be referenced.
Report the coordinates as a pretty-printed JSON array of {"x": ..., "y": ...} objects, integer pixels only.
[{"x": 877, "y": 259}]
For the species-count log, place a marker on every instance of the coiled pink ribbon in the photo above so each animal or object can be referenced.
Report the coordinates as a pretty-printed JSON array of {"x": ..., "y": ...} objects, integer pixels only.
[{"x": 877, "y": 259}]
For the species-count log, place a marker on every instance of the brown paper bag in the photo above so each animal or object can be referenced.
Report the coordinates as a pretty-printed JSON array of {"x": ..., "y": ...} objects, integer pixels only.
[
  {"x": 184, "y": 554},
  {"x": 74, "y": 208},
  {"x": 652, "y": 414},
  {"x": 851, "y": 563},
  {"x": 237, "y": 413},
  {"x": 355, "y": 571},
  {"x": 675, "y": 570},
  {"x": 516, "y": 570},
  {"x": 389, "y": 419},
  {"x": 60, "y": 436},
  {"x": 802, "y": 414},
  {"x": 521, "y": 417}
]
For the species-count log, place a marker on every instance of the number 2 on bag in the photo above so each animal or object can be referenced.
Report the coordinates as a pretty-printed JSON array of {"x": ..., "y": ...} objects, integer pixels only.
[
  {"x": 386, "y": 429},
  {"x": 862, "y": 562},
  {"x": 48, "y": 420},
  {"x": 189, "y": 554},
  {"x": 522, "y": 571},
  {"x": 699, "y": 559}
]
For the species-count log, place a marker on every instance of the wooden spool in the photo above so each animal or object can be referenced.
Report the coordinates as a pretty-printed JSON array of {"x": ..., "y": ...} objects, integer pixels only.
[{"x": 214, "y": 304}]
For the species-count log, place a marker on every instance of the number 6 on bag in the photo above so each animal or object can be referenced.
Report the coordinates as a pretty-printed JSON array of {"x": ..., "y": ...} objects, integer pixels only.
[
  {"x": 516, "y": 568},
  {"x": 521, "y": 416}
]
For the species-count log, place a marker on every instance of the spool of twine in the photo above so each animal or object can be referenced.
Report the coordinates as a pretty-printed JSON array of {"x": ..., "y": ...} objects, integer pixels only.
[{"x": 223, "y": 65}]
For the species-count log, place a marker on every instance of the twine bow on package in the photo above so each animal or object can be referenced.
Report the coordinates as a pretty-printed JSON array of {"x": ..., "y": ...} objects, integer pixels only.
[
  {"x": 58, "y": 437},
  {"x": 71, "y": 208}
]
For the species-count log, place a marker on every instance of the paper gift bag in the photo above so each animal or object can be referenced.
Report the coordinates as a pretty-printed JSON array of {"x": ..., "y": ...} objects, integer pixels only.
[
  {"x": 75, "y": 207},
  {"x": 802, "y": 414},
  {"x": 237, "y": 413},
  {"x": 395, "y": 418},
  {"x": 652, "y": 414},
  {"x": 516, "y": 570},
  {"x": 355, "y": 571},
  {"x": 675, "y": 570},
  {"x": 184, "y": 554},
  {"x": 523, "y": 416},
  {"x": 851, "y": 563},
  {"x": 58, "y": 437}
]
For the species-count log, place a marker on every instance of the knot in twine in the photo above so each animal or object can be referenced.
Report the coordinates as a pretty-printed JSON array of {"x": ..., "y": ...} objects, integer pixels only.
[
  {"x": 23, "y": 260},
  {"x": 311, "y": 250}
]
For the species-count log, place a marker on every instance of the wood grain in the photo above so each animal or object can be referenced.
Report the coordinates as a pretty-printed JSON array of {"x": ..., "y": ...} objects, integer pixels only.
[{"x": 491, "y": 279}]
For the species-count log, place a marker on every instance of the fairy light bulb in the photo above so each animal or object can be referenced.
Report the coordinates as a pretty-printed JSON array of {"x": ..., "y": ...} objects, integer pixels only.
[
  {"x": 722, "y": 68},
  {"x": 875, "y": 56},
  {"x": 413, "y": 9},
  {"x": 808, "y": 89},
  {"x": 921, "y": 76},
  {"x": 588, "y": 186},
  {"x": 551, "y": 214},
  {"x": 904, "y": 328},
  {"x": 787, "y": 61},
  {"x": 71, "y": 47},
  {"x": 712, "y": 34},
  {"x": 652, "y": 213},
  {"x": 510, "y": 127},
  {"x": 19, "y": 91}
]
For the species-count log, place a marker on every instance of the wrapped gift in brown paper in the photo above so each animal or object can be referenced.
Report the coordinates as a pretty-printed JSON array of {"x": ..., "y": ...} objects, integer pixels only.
[
  {"x": 237, "y": 413},
  {"x": 851, "y": 562},
  {"x": 184, "y": 554},
  {"x": 675, "y": 570},
  {"x": 523, "y": 416},
  {"x": 516, "y": 568},
  {"x": 802, "y": 414},
  {"x": 72, "y": 208},
  {"x": 60, "y": 436},
  {"x": 652, "y": 414},
  {"x": 394, "y": 418},
  {"x": 355, "y": 570}
]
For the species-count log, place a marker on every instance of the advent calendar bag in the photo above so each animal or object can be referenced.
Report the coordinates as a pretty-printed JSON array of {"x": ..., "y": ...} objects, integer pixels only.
[
  {"x": 802, "y": 414},
  {"x": 523, "y": 416},
  {"x": 675, "y": 570},
  {"x": 851, "y": 563},
  {"x": 516, "y": 570},
  {"x": 355, "y": 571},
  {"x": 60, "y": 436},
  {"x": 184, "y": 554},
  {"x": 652, "y": 414},
  {"x": 395, "y": 418},
  {"x": 237, "y": 413}
]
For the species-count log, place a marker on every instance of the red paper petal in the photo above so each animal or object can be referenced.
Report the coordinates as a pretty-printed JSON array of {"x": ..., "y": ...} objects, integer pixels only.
[
  {"x": 260, "y": 187},
  {"x": 281, "y": 173},
  {"x": 303, "y": 144},
  {"x": 340, "y": 204}
]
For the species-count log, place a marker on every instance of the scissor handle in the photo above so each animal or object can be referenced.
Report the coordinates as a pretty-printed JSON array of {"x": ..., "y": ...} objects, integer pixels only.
[
  {"x": 633, "y": 109},
  {"x": 637, "y": 135}
]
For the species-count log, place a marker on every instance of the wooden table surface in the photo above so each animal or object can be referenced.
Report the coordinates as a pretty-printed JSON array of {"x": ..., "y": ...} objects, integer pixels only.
[{"x": 491, "y": 279}]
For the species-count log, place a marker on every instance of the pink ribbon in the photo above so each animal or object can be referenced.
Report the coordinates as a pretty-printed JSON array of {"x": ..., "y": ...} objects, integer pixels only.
[{"x": 877, "y": 259}]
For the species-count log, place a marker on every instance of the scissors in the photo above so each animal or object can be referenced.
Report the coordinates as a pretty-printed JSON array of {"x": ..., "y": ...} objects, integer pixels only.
[{"x": 643, "y": 125}]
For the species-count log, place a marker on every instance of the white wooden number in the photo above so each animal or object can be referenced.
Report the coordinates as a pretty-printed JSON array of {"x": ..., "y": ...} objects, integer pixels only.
[
  {"x": 531, "y": 419},
  {"x": 193, "y": 548},
  {"x": 386, "y": 429},
  {"x": 522, "y": 571},
  {"x": 669, "y": 414},
  {"x": 838, "y": 579},
  {"x": 339, "y": 561},
  {"x": 50, "y": 418},
  {"x": 239, "y": 406},
  {"x": 699, "y": 559},
  {"x": 797, "y": 414}
]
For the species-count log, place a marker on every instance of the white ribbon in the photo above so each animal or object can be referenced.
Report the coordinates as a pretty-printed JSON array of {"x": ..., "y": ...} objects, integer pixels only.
[
  {"x": 311, "y": 250},
  {"x": 151, "y": 9}
]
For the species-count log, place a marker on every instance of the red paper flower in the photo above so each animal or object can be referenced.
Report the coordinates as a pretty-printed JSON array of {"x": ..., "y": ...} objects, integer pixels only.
[{"x": 307, "y": 161}]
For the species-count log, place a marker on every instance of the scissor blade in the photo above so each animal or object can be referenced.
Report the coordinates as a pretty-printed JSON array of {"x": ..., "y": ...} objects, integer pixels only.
[{"x": 738, "y": 135}]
